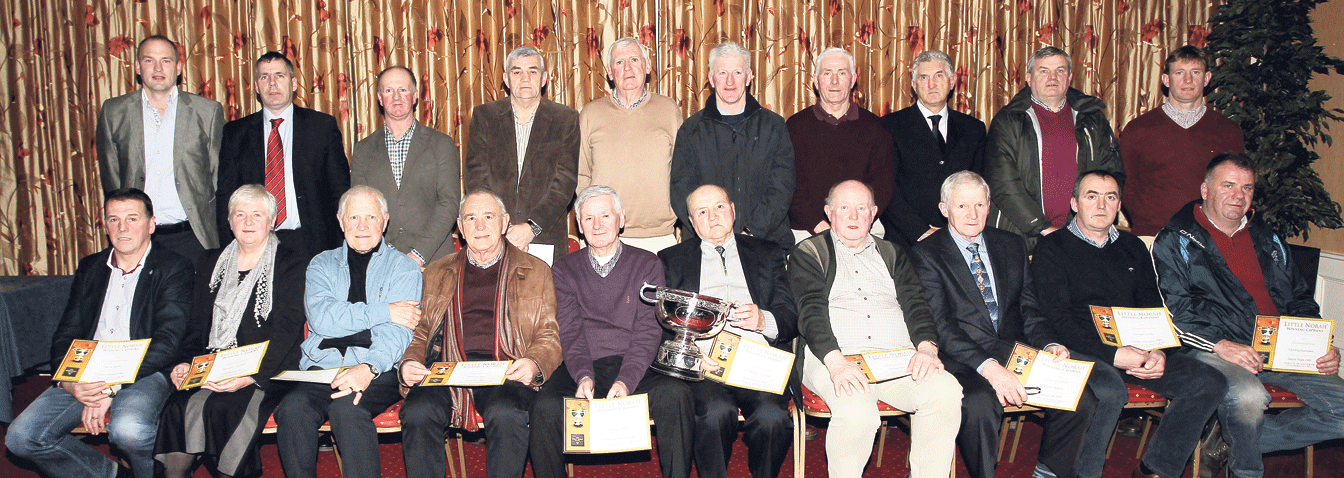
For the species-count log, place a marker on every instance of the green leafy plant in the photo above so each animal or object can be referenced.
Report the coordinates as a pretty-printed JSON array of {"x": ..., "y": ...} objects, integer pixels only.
[{"x": 1264, "y": 54}]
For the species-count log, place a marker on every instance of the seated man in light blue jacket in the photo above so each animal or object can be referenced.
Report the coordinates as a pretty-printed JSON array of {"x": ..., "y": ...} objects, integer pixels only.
[{"x": 361, "y": 305}]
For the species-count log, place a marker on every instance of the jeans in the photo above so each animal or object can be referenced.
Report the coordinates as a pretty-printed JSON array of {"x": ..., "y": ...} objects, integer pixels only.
[
  {"x": 1194, "y": 391},
  {"x": 42, "y": 432},
  {"x": 1250, "y": 433}
]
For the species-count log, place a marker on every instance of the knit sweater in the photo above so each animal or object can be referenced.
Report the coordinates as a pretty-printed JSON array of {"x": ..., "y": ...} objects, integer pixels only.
[
  {"x": 631, "y": 151},
  {"x": 604, "y": 316},
  {"x": 1165, "y": 163},
  {"x": 826, "y": 154},
  {"x": 1069, "y": 275}
]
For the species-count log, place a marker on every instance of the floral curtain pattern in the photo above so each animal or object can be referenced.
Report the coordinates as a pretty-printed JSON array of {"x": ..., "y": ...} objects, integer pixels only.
[{"x": 62, "y": 58}]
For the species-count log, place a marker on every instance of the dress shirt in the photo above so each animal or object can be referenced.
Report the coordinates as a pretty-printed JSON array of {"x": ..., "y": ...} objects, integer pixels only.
[
  {"x": 725, "y": 279},
  {"x": 114, "y": 321},
  {"x": 286, "y": 140},
  {"x": 865, "y": 315},
  {"x": 1185, "y": 119},
  {"x": 522, "y": 132},
  {"x": 603, "y": 265},
  {"x": 160, "y": 177},
  {"x": 942, "y": 121},
  {"x": 1111, "y": 235},
  {"x": 962, "y": 244},
  {"x": 632, "y": 106},
  {"x": 397, "y": 150}
]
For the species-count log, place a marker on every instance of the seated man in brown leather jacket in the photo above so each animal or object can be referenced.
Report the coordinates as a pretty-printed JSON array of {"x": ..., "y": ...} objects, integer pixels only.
[{"x": 489, "y": 302}]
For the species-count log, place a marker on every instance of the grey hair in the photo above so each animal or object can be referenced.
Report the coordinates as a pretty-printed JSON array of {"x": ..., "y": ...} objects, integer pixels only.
[
  {"x": 611, "y": 52},
  {"x": 928, "y": 56},
  {"x": 729, "y": 49},
  {"x": 479, "y": 191},
  {"x": 960, "y": 179},
  {"x": 521, "y": 52},
  {"x": 358, "y": 190},
  {"x": 595, "y": 191},
  {"x": 1048, "y": 52},
  {"x": 253, "y": 193},
  {"x": 831, "y": 194},
  {"x": 835, "y": 50}
]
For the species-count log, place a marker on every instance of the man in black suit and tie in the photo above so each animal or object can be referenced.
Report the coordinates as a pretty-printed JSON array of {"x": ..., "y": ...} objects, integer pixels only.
[
  {"x": 979, "y": 287},
  {"x": 931, "y": 142},
  {"x": 295, "y": 152},
  {"x": 748, "y": 271}
]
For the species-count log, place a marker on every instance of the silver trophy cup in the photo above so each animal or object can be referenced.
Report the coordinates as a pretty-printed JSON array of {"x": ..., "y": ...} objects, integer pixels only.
[{"x": 692, "y": 317}]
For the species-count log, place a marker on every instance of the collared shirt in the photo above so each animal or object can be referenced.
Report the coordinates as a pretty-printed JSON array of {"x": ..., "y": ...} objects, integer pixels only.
[
  {"x": 1111, "y": 235},
  {"x": 1185, "y": 119},
  {"x": 286, "y": 140},
  {"x": 487, "y": 265},
  {"x": 523, "y": 132},
  {"x": 160, "y": 174},
  {"x": 397, "y": 150},
  {"x": 640, "y": 101},
  {"x": 724, "y": 278},
  {"x": 942, "y": 122},
  {"x": 865, "y": 315},
  {"x": 604, "y": 265},
  {"x": 1062, "y": 105},
  {"x": 851, "y": 114},
  {"x": 962, "y": 245},
  {"x": 114, "y": 320}
]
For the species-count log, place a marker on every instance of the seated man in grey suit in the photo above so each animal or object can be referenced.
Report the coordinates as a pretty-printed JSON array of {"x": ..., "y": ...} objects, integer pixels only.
[
  {"x": 165, "y": 141},
  {"x": 415, "y": 167}
]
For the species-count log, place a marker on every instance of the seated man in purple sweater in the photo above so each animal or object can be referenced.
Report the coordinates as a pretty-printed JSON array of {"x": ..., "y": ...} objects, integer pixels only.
[{"x": 608, "y": 337}]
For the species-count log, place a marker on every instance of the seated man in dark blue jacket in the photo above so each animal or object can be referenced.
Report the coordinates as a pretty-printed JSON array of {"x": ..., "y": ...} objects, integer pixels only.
[{"x": 1220, "y": 267}]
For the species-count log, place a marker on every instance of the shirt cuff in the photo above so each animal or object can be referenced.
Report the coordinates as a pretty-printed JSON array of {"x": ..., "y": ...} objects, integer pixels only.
[
  {"x": 771, "y": 330},
  {"x": 980, "y": 370},
  {"x": 418, "y": 255}
]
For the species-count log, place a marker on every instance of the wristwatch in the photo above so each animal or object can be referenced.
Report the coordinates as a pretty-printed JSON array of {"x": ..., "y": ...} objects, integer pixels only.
[
  {"x": 536, "y": 228},
  {"x": 372, "y": 370}
]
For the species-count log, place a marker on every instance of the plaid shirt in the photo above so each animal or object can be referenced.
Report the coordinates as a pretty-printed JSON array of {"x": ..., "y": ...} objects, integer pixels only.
[
  {"x": 1184, "y": 119},
  {"x": 397, "y": 149}
]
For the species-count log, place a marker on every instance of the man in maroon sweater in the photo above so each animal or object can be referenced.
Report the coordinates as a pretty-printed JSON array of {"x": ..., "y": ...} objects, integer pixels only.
[
  {"x": 833, "y": 141},
  {"x": 1165, "y": 150}
]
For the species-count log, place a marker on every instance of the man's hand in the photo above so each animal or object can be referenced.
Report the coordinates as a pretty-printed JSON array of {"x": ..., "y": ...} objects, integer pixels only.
[
  {"x": 89, "y": 394},
  {"x": 412, "y": 372},
  {"x": 230, "y": 385},
  {"x": 94, "y": 416},
  {"x": 179, "y": 374},
  {"x": 708, "y": 364},
  {"x": 1049, "y": 230},
  {"x": 821, "y": 226},
  {"x": 415, "y": 258},
  {"x": 1061, "y": 352},
  {"x": 1240, "y": 354},
  {"x": 1006, "y": 385},
  {"x": 928, "y": 233},
  {"x": 585, "y": 390},
  {"x": 1329, "y": 363},
  {"x": 924, "y": 362},
  {"x": 618, "y": 390},
  {"x": 405, "y": 313},
  {"x": 522, "y": 371},
  {"x": 1129, "y": 357},
  {"x": 1152, "y": 367},
  {"x": 748, "y": 317},
  {"x": 847, "y": 377},
  {"x": 353, "y": 380},
  {"x": 520, "y": 235}
]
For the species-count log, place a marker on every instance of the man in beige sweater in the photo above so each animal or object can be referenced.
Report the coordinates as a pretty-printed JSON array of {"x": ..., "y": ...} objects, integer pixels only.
[{"x": 627, "y": 141}]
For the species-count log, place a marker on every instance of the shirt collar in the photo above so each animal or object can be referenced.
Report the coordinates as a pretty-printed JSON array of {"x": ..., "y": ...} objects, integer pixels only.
[
  {"x": 488, "y": 264},
  {"x": 728, "y": 247},
  {"x": 867, "y": 242},
  {"x": 604, "y": 269},
  {"x": 926, "y": 113},
  {"x": 112, "y": 261},
  {"x": 1049, "y": 108},
  {"x": 634, "y": 105},
  {"x": 1185, "y": 119},
  {"x": 962, "y": 243},
  {"x": 851, "y": 114},
  {"x": 1111, "y": 234},
  {"x": 1203, "y": 219},
  {"x": 404, "y": 136},
  {"x": 287, "y": 115},
  {"x": 172, "y": 97}
]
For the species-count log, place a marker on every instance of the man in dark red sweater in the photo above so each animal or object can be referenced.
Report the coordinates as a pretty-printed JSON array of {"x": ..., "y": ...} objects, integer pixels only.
[
  {"x": 833, "y": 141},
  {"x": 1165, "y": 150}
]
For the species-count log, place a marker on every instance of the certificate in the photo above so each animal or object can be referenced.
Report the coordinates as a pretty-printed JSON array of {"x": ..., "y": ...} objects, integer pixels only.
[
  {"x": 883, "y": 366},
  {"x": 326, "y": 375},
  {"x": 607, "y": 426},
  {"x": 1147, "y": 329},
  {"x": 466, "y": 374},
  {"x": 224, "y": 365},
  {"x": 1292, "y": 344},
  {"x": 545, "y": 252},
  {"x": 749, "y": 364},
  {"x": 1059, "y": 384},
  {"x": 89, "y": 361}
]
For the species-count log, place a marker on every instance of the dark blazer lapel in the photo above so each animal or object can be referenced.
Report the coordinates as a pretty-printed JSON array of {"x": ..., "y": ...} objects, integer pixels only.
[
  {"x": 254, "y": 150},
  {"x": 1003, "y": 271},
  {"x": 508, "y": 137},
  {"x": 141, "y": 301},
  {"x": 689, "y": 265},
  {"x": 757, "y": 280},
  {"x": 96, "y": 294},
  {"x": 956, "y": 264},
  {"x": 533, "y": 167}
]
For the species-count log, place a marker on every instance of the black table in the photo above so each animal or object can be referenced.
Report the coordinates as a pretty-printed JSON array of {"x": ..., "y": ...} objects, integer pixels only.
[{"x": 30, "y": 310}]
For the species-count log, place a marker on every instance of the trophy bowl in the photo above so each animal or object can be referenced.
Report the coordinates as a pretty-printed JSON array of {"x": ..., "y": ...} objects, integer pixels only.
[{"x": 691, "y": 317}]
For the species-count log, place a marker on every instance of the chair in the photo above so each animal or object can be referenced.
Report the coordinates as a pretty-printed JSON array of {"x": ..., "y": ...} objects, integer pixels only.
[
  {"x": 1151, "y": 403},
  {"x": 1279, "y": 398}
]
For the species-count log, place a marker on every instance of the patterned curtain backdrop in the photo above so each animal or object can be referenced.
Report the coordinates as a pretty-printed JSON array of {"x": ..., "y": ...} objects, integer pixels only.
[{"x": 62, "y": 58}]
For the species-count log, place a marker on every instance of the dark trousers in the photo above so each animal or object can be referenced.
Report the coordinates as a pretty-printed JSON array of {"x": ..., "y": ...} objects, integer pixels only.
[
  {"x": 304, "y": 409},
  {"x": 767, "y": 431},
  {"x": 670, "y": 406},
  {"x": 428, "y": 411},
  {"x": 982, "y": 416},
  {"x": 183, "y": 242}
]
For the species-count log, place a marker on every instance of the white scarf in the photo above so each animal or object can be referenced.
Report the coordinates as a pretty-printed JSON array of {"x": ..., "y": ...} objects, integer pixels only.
[{"x": 231, "y": 302}]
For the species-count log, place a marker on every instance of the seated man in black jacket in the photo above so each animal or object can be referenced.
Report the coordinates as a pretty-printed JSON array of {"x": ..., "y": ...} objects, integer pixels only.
[{"x": 130, "y": 291}]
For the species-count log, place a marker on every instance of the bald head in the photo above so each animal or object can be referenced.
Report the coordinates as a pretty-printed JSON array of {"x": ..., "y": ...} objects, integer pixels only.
[{"x": 712, "y": 214}]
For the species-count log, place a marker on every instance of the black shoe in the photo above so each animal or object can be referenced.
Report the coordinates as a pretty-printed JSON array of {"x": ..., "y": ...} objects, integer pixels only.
[
  {"x": 123, "y": 472},
  {"x": 1213, "y": 451}
]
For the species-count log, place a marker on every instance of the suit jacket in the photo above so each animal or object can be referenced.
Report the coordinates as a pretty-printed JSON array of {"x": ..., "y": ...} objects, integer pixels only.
[
  {"x": 196, "y": 144},
  {"x": 424, "y": 209},
  {"x": 550, "y": 167},
  {"x": 764, "y": 266},
  {"x": 159, "y": 307},
  {"x": 320, "y": 171},
  {"x": 921, "y": 167},
  {"x": 967, "y": 333}
]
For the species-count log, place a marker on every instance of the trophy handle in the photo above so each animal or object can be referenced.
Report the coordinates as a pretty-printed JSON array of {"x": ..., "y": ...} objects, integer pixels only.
[{"x": 644, "y": 289}]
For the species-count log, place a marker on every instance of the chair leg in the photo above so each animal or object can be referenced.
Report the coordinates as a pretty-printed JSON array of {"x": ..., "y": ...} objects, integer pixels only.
[
  {"x": 1143, "y": 438},
  {"x": 799, "y": 443},
  {"x": 569, "y": 470},
  {"x": 1003, "y": 438},
  {"x": 448, "y": 452},
  {"x": 881, "y": 443},
  {"x": 461, "y": 455},
  {"x": 1017, "y": 438},
  {"x": 337, "y": 451},
  {"x": 1311, "y": 460},
  {"x": 1194, "y": 461},
  {"x": 1112, "y": 443}
]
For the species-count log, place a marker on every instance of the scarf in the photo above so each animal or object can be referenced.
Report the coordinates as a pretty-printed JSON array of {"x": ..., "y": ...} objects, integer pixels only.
[{"x": 231, "y": 301}]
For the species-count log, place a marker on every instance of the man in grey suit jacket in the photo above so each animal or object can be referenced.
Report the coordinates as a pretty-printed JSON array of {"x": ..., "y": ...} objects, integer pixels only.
[
  {"x": 166, "y": 142},
  {"x": 416, "y": 168}
]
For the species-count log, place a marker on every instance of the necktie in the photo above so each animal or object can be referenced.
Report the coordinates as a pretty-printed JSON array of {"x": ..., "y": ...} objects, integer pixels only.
[
  {"x": 985, "y": 284},
  {"x": 937, "y": 133},
  {"x": 275, "y": 170},
  {"x": 722, "y": 260}
]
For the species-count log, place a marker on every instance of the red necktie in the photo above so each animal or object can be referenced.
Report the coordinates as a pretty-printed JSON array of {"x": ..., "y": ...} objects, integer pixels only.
[{"x": 275, "y": 170}]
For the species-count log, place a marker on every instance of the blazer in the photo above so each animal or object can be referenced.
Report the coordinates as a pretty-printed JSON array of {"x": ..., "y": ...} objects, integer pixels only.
[
  {"x": 159, "y": 307},
  {"x": 967, "y": 333},
  {"x": 544, "y": 189},
  {"x": 922, "y": 165},
  {"x": 196, "y": 144},
  {"x": 319, "y": 169},
  {"x": 767, "y": 280},
  {"x": 424, "y": 209}
]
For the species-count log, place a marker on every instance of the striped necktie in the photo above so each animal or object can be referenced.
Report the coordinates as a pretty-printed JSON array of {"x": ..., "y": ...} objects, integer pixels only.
[
  {"x": 275, "y": 170},
  {"x": 985, "y": 284}
]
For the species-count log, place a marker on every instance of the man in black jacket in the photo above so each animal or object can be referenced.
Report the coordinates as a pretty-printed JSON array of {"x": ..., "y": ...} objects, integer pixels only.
[
  {"x": 133, "y": 290},
  {"x": 748, "y": 271},
  {"x": 1219, "y": 268},
  {"x": 736, "y": 144}
]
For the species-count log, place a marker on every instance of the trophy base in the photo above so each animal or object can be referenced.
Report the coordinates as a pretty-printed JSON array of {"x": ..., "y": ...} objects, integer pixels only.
[{"x": 678, "y": 363}]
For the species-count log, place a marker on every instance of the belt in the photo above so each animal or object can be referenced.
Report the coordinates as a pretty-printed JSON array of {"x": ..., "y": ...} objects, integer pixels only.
[{"x": 184, "y": 226}]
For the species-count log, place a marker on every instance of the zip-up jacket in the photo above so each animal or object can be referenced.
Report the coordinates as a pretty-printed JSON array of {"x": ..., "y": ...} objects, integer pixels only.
[{"x": 391, "y": 277}]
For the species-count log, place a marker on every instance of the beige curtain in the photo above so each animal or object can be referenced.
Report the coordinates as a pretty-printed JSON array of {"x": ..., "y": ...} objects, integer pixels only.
[{"x": 64, "y": 57}]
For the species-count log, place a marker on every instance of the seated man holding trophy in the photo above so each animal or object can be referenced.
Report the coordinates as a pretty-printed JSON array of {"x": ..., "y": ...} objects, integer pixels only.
[
  {"x": 747, "y": 271},
  {"x": 608, "y": 336},
  {"x": 489, "y": 302}
]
